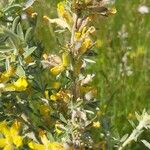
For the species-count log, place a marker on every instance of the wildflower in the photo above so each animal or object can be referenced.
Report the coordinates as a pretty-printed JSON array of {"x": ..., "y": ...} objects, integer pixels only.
[
  {"x": 139, "y": 52},
  {"x": 87, "y": 43},
  {"x": 96, "y": 124},
  {"x": 131, "y": 116},
  {"x": 65, "y": 95},
  {"x": 51, "y": 60},
  {"x": 57, "y": 69},
  {"x": 64, "y": 14},
  {"x": 44, "y": 109},
  {"x": 11, "y": 135},
  {"x": 20, "y": 85},
  {"x": 143, "y": 9},
  {"x": 87, "y": 79},
  {"x": 112, "y": 11},
  {"x": 33, "y": 15},
  {"x": 46, "y": 144},
  {"x": 58, "y": 128},
  {"x": 83, "y": 41},
  {"x": 4, "y": 77},
  {"x": 55, "y": 63},
  {"x": 56, "y": 85},
  {"x": 64, "y": 19}
]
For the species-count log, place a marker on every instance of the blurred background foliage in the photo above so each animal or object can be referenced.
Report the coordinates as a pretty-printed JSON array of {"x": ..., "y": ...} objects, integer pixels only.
[{"x": 122, "y": 56}]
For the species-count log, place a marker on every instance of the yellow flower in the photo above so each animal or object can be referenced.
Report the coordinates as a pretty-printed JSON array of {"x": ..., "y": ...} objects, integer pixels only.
[
  {"x": 87, "y": 43},
  {"x": 4, "y": 77},
  {"x": 96, "y": 124},
  {"x": 112, "y": 11},
  {"x": 56, "y": 85},
  {"x": 61, "y": 95},
  {"x": 21, "y": 84},
  {"x": 28, "y": 59},
  {"x": 64, "y": 20},
  {"x": 64, "y": 14},
  {"x": 65, "y": 59},
  {"x": 61, "y": 67},
  {"x": 46, "y": 144},
  {"x": 53, "y": 97},
  {"x": 58, "y": 128},
  {"x": 44, "y": 109},
  {"x": 138, "y": 53},
  {"x": 78, "y": 35},
  {"x": 57, "y": 69},
  {"x": 11, "y": 136}
]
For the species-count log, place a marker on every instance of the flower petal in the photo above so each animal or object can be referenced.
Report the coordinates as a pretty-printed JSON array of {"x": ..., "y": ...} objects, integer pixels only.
[
  {"x": 21, "y": 84},
  {"x": 57, "y": 70},
  {"x": 3, "y": 142},
  {"x": 36, "y": 146},
  {"x": 17, "y": 140}
]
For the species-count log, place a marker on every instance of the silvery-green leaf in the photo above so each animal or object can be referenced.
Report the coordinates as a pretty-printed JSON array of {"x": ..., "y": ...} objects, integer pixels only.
[
  {"x": 89, "y": 60},
  {"x": 5, "y": 49},
  {"x": 14, "y": 37},
  {"x": 2, "y": 57},
  {"x": 124, "y": 138},
  {"x": 27, "y": 35},
  {"x": 50, "y": 137},
  {"x": 147, "y": 144},
  {"x": 62, "y": 118},
  {"x": 11, "y": 7},
  {"x": 20, "y": 31},
  {"x": 15, "y": 23},
  {"x": 132, "y": 123},
  {"x": 28, "y": 51},
  {"x": 28, "y": 4},
  {"x": 137, "y": 116},
  {"x": 20, "y": 71}
]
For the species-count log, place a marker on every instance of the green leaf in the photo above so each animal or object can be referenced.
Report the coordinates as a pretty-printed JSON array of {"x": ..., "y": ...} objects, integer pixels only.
[
  {"x": 15, "y": 23},
  {"x": 28, "y": 33},
  {"x": 50, "y": 137},
  {"x": 62, "y": 118},
  {"x": 20, "y": 71},
  {"x": 12, "y": 7},
  {"x": 14, "y": 37},
  {"x": 124, "y": 138},
  {"x": 20, "y": 31},
  {"x": 2, "y": 57},
  {"x": 5, "y": 49},
  {"x": 28, "y": 51}
]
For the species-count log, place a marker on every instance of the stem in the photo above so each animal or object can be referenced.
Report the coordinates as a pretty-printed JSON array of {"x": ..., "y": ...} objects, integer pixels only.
[
  {"x": 133, "y": 136},
  {"x": 73, "y": 75}
]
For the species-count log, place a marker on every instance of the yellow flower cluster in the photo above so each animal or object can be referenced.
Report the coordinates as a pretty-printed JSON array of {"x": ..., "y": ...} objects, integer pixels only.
[
  {"x": 64, "y": 19},
  {"x": 55, "y": 63},
  {"x": 4, "y": 77},
  {"x": 19, "y": 85},
  {"x": 11, "y": 137},
  {"x": 46, "y": 144},
  {"x": 61, "y": 95}
]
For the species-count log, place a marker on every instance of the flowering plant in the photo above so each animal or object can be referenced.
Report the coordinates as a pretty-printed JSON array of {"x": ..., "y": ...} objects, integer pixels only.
[{"x": 50, "y": 94}]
